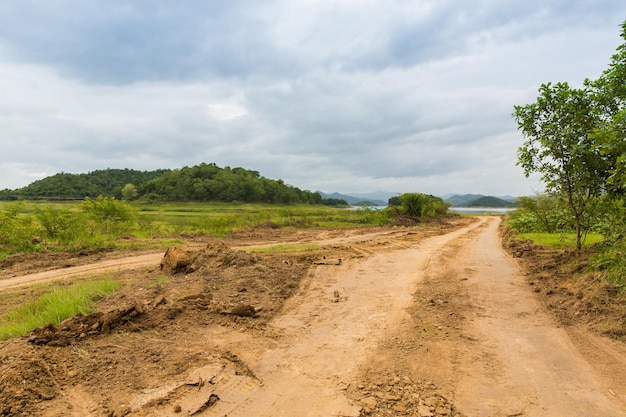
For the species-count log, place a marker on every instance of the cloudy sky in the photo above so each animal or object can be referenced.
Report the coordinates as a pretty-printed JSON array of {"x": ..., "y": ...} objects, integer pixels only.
[{"x": 348, "y": 95}]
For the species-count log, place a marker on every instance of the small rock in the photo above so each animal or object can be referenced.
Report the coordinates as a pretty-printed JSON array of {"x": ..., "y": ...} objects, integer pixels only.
[
  {"x": 158, "y": 300},
  {"x": 431, "y": 401},
  {"x": 443, "y": 411},
  {"x": 424, "y": 411},
  {"x": 243, "y": 310},
  {"x": 369, "y": 404}
]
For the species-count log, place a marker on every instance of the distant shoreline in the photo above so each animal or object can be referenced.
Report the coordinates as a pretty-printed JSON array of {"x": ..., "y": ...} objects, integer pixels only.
[{"x": 481, "y": 210}]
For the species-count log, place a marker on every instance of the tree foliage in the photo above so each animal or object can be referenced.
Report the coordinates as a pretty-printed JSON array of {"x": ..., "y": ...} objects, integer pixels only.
[
  {"x": 575, "y": 138},
  {"x": 558, "y": 146},
  {"x": 64, "y": 186},
  {"x": 543, "y": 213},
  {"x": 204, "y": 182},
  {"x": 334, "y": 202},
  {"x": 610, "y": 94},
  {"x": 129, "y": 192},
  {"x": 422, "y": 205}
]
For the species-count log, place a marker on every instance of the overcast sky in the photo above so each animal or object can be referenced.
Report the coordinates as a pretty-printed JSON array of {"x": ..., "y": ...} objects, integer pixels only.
[{"x": 348, "y": 96}]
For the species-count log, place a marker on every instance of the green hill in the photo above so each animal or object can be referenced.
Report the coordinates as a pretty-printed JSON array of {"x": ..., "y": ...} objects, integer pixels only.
[
  {"x": 355, "y": 201},
  {"x": 64, "y": 186},
  {"x": 204, "y": 182},
  {"x": 488, "y": 201},
  {"x": 462, "y": 200}
]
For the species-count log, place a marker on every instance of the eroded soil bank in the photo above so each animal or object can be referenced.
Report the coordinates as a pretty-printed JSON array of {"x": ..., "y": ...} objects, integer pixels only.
[{"x": 426, "y": 321}]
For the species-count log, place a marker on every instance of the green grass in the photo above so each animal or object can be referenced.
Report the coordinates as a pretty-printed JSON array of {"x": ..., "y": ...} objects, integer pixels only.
[
  {"x": 286, "y": 248},
  {"x": 69, "y": 229},
  {"x": 560, "y": 240},
  {"x": 161, "y": 280},
  {"x": 220, "y": 219},
  {"x": 55, "y": 306}
]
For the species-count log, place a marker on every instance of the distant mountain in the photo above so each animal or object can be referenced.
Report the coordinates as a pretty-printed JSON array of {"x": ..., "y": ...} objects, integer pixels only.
[
  {"x": 462, "y": 200},
  {"x": 507, "y": 198},
  {"x": 479, "y": 200},
  {"x": 353, "y": 200},
  {"x": 489, "y": 201},
  {"x": 381, "y": 196}
]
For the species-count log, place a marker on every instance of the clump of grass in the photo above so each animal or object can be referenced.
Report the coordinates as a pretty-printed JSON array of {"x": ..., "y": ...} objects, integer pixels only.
[
  {"x": 161, "y": 280},
  {"x": 55, "y": 306},
  {"x": 286, "y": 248},
  {"x": 560, "y": 240}
]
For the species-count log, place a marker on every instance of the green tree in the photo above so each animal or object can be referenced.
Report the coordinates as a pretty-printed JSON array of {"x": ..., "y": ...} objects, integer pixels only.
[
  {"x": 541, "y": 213},
  {"x": 610, "y": 94},
  {"x": 129, "y": 192},
  {"x": 422, "y": 205},
  {"x": 557, "y": 129}
]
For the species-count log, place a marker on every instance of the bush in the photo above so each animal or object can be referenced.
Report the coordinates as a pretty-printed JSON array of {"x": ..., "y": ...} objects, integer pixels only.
[
  {"x": 17, "y": 231},
  {"x": 541, "y": 214},
  {"x": 108, "y": 215},
  {"x": 422, "y": 205},
  {"x": 62, "y": 225}
]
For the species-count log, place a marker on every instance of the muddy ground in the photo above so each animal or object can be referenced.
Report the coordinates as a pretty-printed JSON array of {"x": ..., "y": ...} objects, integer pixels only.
[{"x": 400, "y": 321}]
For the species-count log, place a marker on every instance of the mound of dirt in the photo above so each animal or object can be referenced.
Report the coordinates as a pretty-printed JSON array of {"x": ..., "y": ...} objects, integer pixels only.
[
  {"x": 213, "y": 286},
  {"x": 215, "y": 255},
  {"x": 175, "y": 260},
  {"x": 80, "y": 326}
]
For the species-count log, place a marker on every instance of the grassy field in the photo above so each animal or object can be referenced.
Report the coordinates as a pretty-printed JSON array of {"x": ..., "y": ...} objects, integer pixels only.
[
  {"x": 560, "y": 240},
  {"x": 66, "y": 226},
  {"x": 57, "y": 303},
  {"x": 61, "y": 226},
  {"x": 218, "y": 219}
]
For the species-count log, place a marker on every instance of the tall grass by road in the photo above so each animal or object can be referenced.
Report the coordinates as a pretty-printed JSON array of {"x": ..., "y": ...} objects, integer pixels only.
[
  {"x": 108, "y": 223},
  {"x": 55, "y": 306}
]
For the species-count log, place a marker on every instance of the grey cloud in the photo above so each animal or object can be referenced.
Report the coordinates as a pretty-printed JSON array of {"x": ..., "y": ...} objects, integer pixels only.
[
  {"x": 117, "y": 42},
  {"x": 120, "y": 42}
]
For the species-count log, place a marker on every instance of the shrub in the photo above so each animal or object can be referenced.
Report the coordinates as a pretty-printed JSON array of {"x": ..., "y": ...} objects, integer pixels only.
[
  {"x": 422, "y": 205},
  {"x": 108, "y": 215},
  {"x": 16, "y": 230}
]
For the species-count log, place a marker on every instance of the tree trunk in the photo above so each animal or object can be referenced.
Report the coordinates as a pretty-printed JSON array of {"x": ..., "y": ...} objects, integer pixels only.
[{"x": 579, "y": 243}]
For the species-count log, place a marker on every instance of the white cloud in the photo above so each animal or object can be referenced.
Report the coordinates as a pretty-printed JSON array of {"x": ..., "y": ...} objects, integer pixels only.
[{"x": 333, "y": 96}]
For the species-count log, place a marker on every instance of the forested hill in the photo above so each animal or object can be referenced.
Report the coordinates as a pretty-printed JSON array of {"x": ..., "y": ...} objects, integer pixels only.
[
  {"x": 488, "y": 201},
  {"x": 204, "y": 182},
  {"x": 64, "y": 186}
]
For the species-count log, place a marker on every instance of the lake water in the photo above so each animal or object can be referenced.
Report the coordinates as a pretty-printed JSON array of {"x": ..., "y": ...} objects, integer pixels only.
[
  {"x": 462, "y": 210},
  {"x": 480, "y": 210}
]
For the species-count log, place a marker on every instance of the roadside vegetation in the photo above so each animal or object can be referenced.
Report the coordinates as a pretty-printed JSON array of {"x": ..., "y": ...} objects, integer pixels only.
[
  {"x": 107, "y": 223},
  {"x": 575, "y": 140},
  {"x": 54, "y": 306}
]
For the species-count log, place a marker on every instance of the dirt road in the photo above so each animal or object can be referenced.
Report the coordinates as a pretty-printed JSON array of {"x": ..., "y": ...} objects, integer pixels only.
[
  {"x": 516, "y": 360},
  {"x": 442, "y": 325},
  {"x": 511, "y": 358}
]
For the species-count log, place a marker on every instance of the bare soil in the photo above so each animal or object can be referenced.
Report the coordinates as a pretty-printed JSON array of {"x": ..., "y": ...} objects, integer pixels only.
[{"x": 433, "y": 320}]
